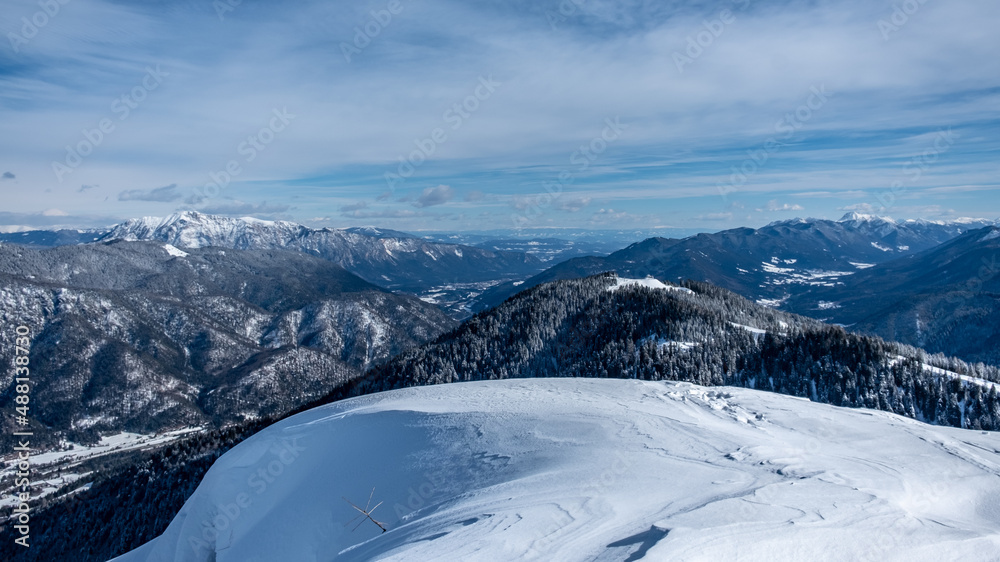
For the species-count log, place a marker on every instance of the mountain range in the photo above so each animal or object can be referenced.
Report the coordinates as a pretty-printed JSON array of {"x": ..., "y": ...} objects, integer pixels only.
[
  {"x": 768, "y": 264},
  {"x": 603, "y": 326},
  {"x": 944, "y": 299},
  {"x": 386, "y": 258},
  {"x": 144, "y": 336}
]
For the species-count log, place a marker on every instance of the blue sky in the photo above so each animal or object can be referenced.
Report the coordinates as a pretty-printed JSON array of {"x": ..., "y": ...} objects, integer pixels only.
[{"x": 474, "y": 115}]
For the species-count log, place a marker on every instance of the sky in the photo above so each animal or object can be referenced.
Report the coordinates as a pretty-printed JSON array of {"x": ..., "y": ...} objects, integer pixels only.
[{"x": 484, "y": 114}]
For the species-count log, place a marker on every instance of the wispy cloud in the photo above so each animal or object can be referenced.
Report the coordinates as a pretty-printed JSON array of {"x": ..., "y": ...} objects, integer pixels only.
[
  {"x": 235, "y": 207},
  {"x": 385, "y": 214},
  {"x": 562, "y": 78},
  {"x": 354, "y": 207},
  {"x": 571, "y": 204},
  {"x": 774, "y": 207},
  {"x": 715, "y": 216},
  {"x": 165, "y": 194}
]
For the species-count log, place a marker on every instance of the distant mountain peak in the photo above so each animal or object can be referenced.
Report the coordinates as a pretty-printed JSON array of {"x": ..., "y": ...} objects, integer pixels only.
[
  {"x": 796, "y": 220},
  {"x": 855, "y": 217},
  {"x": 187, "y": 217},
  {"x": 381, "y": 256},
  {"x": 192, "y": 229}
]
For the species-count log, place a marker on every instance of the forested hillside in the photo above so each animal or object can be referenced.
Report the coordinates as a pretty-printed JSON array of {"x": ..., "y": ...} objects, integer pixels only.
[
  {"x": 601, "y": 326},
  {"x": 701, "y": 334}
]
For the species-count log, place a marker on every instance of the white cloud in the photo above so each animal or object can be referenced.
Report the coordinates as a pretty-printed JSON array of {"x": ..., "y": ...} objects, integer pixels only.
[
  {"x": 774, "y": 207},
  {"x": 865, "y": 208},
  {"x": 242, "y": 208},
  {"x": 558, "y": 87},
  {"x": 434, "y": 196}
]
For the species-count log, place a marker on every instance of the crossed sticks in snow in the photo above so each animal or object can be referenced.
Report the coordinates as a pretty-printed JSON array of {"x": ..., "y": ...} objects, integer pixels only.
[{"x": 366, "y": 513}]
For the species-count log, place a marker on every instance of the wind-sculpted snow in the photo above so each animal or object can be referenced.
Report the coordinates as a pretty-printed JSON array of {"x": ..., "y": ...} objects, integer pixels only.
[{"x": 578, "y": 469}]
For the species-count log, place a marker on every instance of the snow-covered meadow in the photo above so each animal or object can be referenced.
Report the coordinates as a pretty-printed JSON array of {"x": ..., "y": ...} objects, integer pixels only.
[{"x": 587, "y": 469}]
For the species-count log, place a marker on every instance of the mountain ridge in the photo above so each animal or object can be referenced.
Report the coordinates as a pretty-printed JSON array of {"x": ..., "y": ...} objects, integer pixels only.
[
  {"x": 196, "y": 337},
  {"x": 762, "y": 263},
  {"x": 399, "y": 263}
]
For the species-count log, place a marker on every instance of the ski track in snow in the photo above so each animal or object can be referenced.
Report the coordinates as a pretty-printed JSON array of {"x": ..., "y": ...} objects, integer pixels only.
[{"x": 590, "y": 469}]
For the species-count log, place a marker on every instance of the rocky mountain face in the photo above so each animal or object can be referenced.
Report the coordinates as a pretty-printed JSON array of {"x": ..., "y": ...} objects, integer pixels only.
[
  {"x": 768, "y": 264},
  {"x": 945, "y": 299},
  {"x": 386, "y": 258},
  {"x": 144, "y": 336}
]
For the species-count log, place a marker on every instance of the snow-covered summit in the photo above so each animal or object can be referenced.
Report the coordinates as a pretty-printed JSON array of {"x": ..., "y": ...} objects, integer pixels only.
[
  {"x": 190, "y": 229},
  {"x": 587, "y": 469},
  {"x": 858, "y": 218}
]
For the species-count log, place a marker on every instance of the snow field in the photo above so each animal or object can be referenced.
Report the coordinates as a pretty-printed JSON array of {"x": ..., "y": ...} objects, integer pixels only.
[{"x": 593, "y": 469}]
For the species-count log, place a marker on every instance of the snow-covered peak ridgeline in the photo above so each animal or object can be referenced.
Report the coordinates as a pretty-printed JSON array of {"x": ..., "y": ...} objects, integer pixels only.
[
  {"x": 859, "y": 220},
  {"x": 386, "y": 258},
  {"x": 191, "y": 229},
  {"x": 576, "y": 469}
]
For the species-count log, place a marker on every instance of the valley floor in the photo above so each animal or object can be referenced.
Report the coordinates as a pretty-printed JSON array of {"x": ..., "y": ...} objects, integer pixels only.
[{"x": 587, "y": 469}]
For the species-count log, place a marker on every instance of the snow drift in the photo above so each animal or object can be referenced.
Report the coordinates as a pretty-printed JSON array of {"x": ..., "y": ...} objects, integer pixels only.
[{"x": 583, "y": 469}]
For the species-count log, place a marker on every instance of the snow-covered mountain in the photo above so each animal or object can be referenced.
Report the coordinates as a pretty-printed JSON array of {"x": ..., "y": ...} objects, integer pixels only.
[
  {"x": 386, "y": 258},
  {"x": 599, "y": 327},
  {"x": 904, "y": 231},
  {"x": 575, "y": 469},
  {"x": 144, "y": 336},
  {"x": 945, "y": 299},
  {"x": 769, "y": 264}
]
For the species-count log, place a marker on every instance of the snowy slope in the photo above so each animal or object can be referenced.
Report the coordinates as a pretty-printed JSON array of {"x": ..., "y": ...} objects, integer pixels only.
[{"x": 583, "y": 469}]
